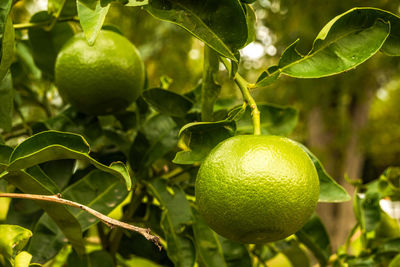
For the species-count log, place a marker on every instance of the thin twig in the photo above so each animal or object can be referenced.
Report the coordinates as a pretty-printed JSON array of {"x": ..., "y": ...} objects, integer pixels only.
[{"x": 105, "y": 219}]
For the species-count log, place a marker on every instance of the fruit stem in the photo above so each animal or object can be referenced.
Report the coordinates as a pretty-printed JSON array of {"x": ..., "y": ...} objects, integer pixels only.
[
  {"x": 210, "y": 88},
  {"x": 244, "y": 87}
]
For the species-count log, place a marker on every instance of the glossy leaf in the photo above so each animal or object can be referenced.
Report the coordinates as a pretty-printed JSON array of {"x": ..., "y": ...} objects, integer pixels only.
[
  {"x": 6, "y": 102},
  {"x": 13, "y": 239},
  {"x": 158, "y": 136},
  {"x": 395, "y": 262},
  {"x": 6, "y": 45},
  {"x": 330, "y": 191},
  {"x": 201, "y": 138},
  {"x": 91, "y": 19},
  {"x": 332, "y": 56},
  {"x": 208, "y": 248},
  {"x": 5, "y": 152},
  {"x": 97, "y": 190},
  {"x": 314, "y": 236},
  {"x": 345, "y": 42},
  {"x": 34, "y": 181},
  {"x": 210, "y": 21},
  {"x": 98, "y": 258},
  {"x": 275, "y": 120},
  {"x": 47, "y": 43},
  {"x": 53, "y": 145},
  {"x": 176, "y": 215},
  {"x": 251, "y": 23},
  {"x": 167, "y": 102}
]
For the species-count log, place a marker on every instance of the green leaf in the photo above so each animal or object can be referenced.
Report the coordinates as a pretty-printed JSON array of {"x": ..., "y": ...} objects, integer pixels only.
[
  {"x": 208, "y": 248},
  {"x": 275, "y": 119},
  {"x": 333, "y": 56},
  {"x": 6, "y": 45},
  {"x": 235, "y": 254},
  {"x": 209, "y": 20},
  {"x": 167, "y": 102},
  {"x": 23, "y": 259},
  {"x": 390, "y": 246},
  {"x": 345, "y": 42},
  {"x": 251, "y": 24},
  {"x": 5, "y": 7},
  {"x": 97, "y": 190},
  {"x": 395, "y": 262},
  {"x": 5, "y": 153},
  {"x": 158, "y": 136},
  {"x": 314, "y": 236},
  {"x": 6, "y": 102},
  {"x": 201, "y": 138},
  {"x": 330, "y": 191},
  {"x": 54, "y": 145},
  {"x": 91, "y": 20},
  {"x": 98, "y": 258},
  {"x": 175, "y": 217},
  {"x": 34, "y": 181},
  {"x": 47, "y": 43},
  {"x": 292, "y": 250},
  {"x": 13, "y": 239}
]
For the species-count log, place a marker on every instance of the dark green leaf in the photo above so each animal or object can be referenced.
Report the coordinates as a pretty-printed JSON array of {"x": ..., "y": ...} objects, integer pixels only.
[
  {"x": 60, "y": 171},
  {"x": 6, "y": 102},
  {"x": 46, "y": 44},
  {"x": 5, "y": 152},
  {"x": 91, "y": 19},
  {"x": 331, "y": 56},
  {"x": 391, "y": 246},
  {"x": 210, "y": 21},
  {"x": 251, "y": 24},
  {"x": 53, "y": 145},
  {"x": 276, "y": 120},
  {"x": 267, "y": 78},
  {"x": 330, "y": 191},
  {"x": 167, "y": 102},
  {"x": 89, "y": 3},
  {"x": 235, "y": 254},
  {"x": 97, "y": 190},
  {"x": 34, "y": 181},
  {"x": 371, "y": 212},
  {"x": 208, "y": 248},
  {"x": 6, "y": 45},
  {"x": 158, "y": 136},
  {"x": 175, "y": 217},
  {"x": 314, "y": 236},
  {"x": 201, "y": 138},
  {"x": 345, "y": 42},
  {"x": 13, "y": 239},
  {"x": 98, "y": 258}
]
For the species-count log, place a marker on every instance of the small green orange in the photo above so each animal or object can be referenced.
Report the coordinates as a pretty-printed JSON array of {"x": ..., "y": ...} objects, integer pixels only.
[
  {"x": 100, "y": 79},
  {"x": 257, "y": 189}
]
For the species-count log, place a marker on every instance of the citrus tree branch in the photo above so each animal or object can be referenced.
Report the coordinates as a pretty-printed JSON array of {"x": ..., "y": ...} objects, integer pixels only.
[
  {"x": 209, "y": 88},
  {"x": 105, "y": 219},
  {"x": 244, "y": 87}
]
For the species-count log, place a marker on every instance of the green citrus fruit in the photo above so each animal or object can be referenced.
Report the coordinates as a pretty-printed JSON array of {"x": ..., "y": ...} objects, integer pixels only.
[
  {"x": 100, "y": 79},
  {"x": 257, "y": 189}
]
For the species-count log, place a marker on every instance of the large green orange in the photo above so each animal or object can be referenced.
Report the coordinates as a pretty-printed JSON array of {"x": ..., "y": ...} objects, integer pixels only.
[
  {"x": 257, "y": 189},
  {"x": 100, "y": 79}
]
